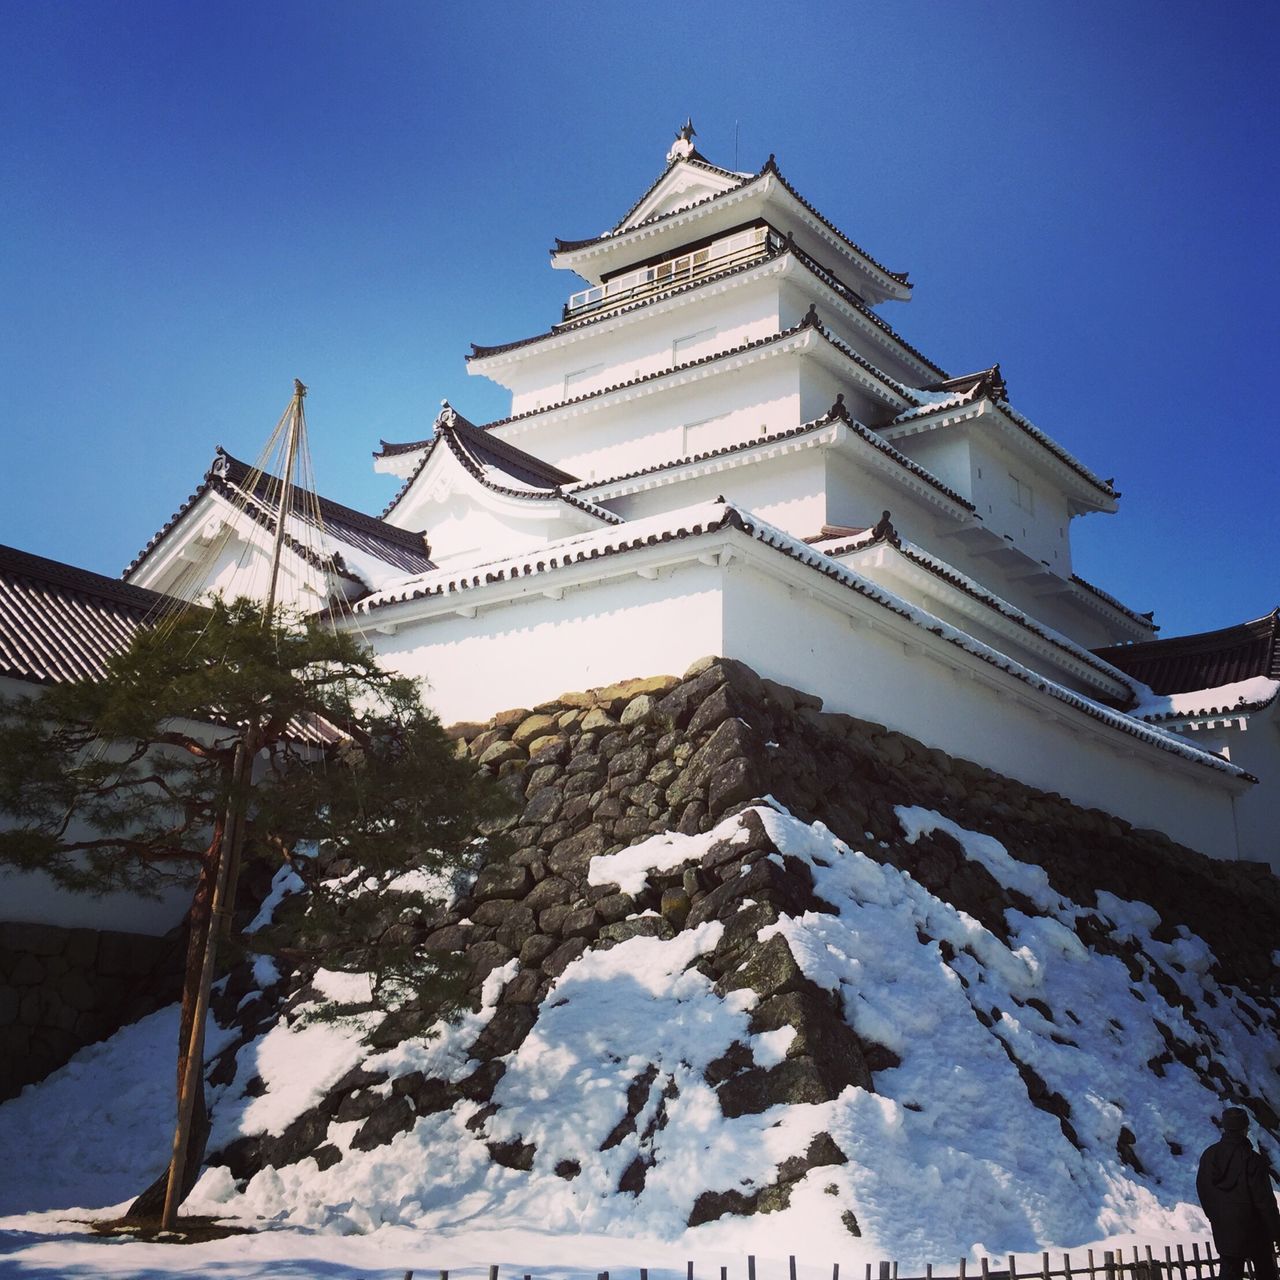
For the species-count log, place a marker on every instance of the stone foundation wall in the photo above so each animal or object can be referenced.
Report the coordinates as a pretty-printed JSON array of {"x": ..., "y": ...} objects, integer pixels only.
[
  {"x": 61, "y": 989},
  {"x": 597, "y": 771}
]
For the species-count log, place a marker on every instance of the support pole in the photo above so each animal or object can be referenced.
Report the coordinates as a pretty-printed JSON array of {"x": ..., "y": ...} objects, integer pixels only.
[{"x": 193, "y": 1068}]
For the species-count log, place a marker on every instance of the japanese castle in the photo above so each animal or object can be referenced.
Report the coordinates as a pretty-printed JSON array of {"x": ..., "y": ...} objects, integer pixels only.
[{"x": 722, "y": 447}]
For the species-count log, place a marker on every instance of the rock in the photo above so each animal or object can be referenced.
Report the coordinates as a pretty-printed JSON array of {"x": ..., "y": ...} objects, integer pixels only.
[
  {"x": 543, "y": 806},
  {"x": 615, "y": 906},
  {"x": 769, "y": 970},
  {"x": 822, "y": 1035},
  {"x": 483, "y": 741},
  {"x": 484, "y": 957},
  {"x": 510, "y": 718},
  {"x": 633, "y": 1177},
  {"x": 675, "y": 908},
  {"x": 563, "y": 956},
  {"x": 502, "y": 880},
  {"x": 524, "y": 988},
  {"x": 797, "y": 1080},
  {"x": 480, "y": 1084},
  {"x": 640, "y": 710},
  {"x": 568, "y": 1169},
  {"x": 506, "y": 1031},
  {"x": 597, "y": 720},
  {"x": 531, "y": 728},
  {"x": 575, "y": 851},
  {"x": 734, "y": 782},
  {"x": 499, "y": 753},
  {"x": 512, "y": 1155},
  {"x": 548, "y": 751},
  {"x": 551, "y": 891},
  {"x": 394, "y": 1116},
  {"x": 536, "y": 949},
  {"x": 580, "y": 922},
  {"x": 637, "y": 927}
]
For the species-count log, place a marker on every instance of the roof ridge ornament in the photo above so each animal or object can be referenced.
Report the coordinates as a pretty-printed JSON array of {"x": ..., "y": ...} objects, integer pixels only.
[
  {"x": 884, "y": 530},
  {"x": 447, "y": 417},
  {"x": 839, "y": 409},
  {"x": 682, "y": 148},
  {"x": 221, "y": 466}
]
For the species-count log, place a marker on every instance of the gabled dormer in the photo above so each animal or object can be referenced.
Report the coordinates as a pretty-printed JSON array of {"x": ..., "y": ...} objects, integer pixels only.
[
  {"x": 477, "y": 495},
  {"x": 694, "y": 201},
  {"x": 688, "y": 179}
]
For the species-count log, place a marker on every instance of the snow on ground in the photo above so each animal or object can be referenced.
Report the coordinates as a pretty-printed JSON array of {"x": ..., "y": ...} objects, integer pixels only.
[{"x": 948, "y": 1157}]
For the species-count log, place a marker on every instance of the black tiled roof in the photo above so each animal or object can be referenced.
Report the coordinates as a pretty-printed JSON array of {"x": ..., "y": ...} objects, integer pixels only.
[
  {"x": 810, "y": 321},
  {"x": 228, "y": 476},
  {"x": 824, "y": 274},
  {"x": 490, "y": 450},
  {"x": 59, "y": 623},
  {"x": 770, "y": 167},
  {"x": 1118, "y": 606},
  {"x": 475, "y": 450},
  {"x": 1183, "y": 664}
]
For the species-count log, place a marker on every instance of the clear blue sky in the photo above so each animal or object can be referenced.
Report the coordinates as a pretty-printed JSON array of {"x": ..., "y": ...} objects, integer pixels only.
[{"x": 201, "y": 202}]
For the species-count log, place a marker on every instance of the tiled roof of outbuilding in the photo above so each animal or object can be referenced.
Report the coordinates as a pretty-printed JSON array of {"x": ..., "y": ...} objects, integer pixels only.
[
  {"x": 59, "y": 623},
  {"x": 1206, "y": 660}
]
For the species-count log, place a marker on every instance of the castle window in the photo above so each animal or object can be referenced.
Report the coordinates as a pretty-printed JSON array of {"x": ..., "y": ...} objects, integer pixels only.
[
  {"x": 575, "y": 382},
  {"x": 1023, "y": 495},
  {"x": 683, "y": 349}
]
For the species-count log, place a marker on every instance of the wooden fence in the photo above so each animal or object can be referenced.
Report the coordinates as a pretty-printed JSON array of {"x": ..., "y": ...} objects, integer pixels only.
[{"x": 1202, "y": 1264}]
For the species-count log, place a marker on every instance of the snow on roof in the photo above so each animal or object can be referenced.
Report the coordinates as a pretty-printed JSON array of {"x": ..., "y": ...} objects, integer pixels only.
[
  {"x": 1240, "y": 697},
  {"x": 711, "y": 517}
]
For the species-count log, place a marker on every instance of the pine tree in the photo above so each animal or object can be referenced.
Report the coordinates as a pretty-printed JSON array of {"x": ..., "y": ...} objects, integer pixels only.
[{"x": 133, "y": 782}]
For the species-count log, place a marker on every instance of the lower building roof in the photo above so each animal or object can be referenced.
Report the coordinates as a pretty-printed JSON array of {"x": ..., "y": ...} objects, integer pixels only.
[
  {"x": 1206, "y": 660},
  {"x": 59, "y": 623}
]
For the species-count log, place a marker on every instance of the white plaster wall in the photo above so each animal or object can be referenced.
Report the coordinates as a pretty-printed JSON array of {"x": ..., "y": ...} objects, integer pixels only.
[
  {"x": 857, "y": 496},
  {"x": 536, "y": 648},
  {"x": 30, "y": 897},
  {"x": 1255, "y": 747},
  {"x": 786, "y": 491},
  {"x": 1044, "y": 532},
  {"x": 614, "y": 439},
  {"x": 787, "y": 635},
  {"x": 642, "y": 345},
  {"x": 801, "y": 289}
]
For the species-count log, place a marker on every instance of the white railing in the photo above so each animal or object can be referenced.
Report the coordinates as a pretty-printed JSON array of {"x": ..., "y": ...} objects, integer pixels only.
[{"x": 740, "y": 247}]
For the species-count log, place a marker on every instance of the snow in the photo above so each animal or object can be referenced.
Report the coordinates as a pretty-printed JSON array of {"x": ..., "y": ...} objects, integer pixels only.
[
  {"x": 947, "y": 1158},
  {"x": 1254, "y": 692}
]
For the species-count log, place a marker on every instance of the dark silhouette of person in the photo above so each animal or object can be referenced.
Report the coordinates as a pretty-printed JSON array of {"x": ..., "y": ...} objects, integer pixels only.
[{"x": 1235, "y": 1192}]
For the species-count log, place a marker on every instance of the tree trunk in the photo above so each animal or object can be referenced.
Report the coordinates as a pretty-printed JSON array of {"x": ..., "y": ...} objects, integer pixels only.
[{"x": 149, "y": 1205}]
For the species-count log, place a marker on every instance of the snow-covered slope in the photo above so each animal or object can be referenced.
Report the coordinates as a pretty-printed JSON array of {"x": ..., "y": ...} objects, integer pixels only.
[{"x": 917, "y": 1044}]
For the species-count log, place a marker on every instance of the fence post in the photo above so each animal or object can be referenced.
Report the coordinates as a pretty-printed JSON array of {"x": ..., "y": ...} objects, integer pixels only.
[
  {"x": 1013, "y": 1269},
  {"x": 751, "y": 1266},
  {"x": 791, "y": 1267},
  {"x": 493, "y": 1272},
  {"x": 884, "y": 1271},
  {"x": 1109, "y": 1262}
]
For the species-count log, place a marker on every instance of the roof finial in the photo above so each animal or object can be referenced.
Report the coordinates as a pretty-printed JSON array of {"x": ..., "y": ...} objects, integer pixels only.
[
  {"x": 447, "y": 414},
  {"x": 682, "y": 148}
]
